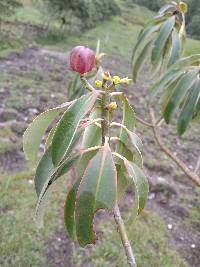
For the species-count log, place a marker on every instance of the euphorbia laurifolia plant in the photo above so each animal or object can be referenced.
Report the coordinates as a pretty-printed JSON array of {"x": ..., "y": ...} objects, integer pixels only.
[
  {"x": 107, "y": 162},
  {"x": 178, "y": 88}
]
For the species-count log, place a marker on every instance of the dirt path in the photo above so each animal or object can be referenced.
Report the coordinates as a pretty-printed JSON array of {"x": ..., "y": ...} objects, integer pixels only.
[{"x": 37, "y": 79}]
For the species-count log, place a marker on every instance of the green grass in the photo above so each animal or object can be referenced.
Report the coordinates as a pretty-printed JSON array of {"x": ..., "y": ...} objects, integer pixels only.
[
  {"x": 22, "y": 244},
  {"x": 149, "y": 240}
]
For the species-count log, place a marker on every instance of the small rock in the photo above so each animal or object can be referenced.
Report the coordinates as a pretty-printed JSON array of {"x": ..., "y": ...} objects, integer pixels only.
[
  {"x": 170, "y": 226},
  {"x": 151, "y": 196},
  {"x": 30, "y": 181},
  {"x": 193, "y": 246}
]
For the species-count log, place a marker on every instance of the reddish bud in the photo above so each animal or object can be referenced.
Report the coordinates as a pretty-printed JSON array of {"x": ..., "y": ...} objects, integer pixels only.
[{"x": 82, "y": 59}]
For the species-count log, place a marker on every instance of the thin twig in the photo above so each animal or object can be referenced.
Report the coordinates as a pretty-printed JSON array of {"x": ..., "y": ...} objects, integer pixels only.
[
  {"x": 192, "y": 175},
  {"x": 124, "y": 238},
  {"x": 144, "y": 122}
]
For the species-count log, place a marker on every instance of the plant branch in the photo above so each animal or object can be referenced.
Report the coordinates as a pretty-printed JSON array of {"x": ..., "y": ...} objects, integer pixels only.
[
  {"x": 86, "y": 84},
  {"x": 117, "y": 216},
  {"x": 192, "y": 175},
  {"x": 124, "y": 238}
]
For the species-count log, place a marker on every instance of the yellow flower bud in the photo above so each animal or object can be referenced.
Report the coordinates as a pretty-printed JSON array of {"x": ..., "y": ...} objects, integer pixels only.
[
  {"x": 98, "y": 83},
  {"x": 106, "y": 76},
  {"x": 112, "y": 106},
  {"x": 116, "y": 80},
  {"x": 183, "y": 7}
]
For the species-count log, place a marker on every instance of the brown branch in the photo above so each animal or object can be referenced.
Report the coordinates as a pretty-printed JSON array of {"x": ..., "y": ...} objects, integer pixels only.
[{"x": 192, "y": 175}]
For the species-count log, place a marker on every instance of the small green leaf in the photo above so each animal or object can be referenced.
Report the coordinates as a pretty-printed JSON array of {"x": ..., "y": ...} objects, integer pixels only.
[
  {"x": 97, "y": 190},
  {"x": 162, "y": 38},
  {"x": 128, "y": 119},
  {"x": 33, "y": 135},
  {"x": 68, "y": 125},
  {"x": 92, "y": 134},
  {"x": 189, "y": 107},
  {"x": 179, "y": 93}
]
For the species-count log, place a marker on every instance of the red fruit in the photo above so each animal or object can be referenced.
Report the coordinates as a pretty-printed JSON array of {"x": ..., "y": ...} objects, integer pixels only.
[{"x": 82, "y": 59}]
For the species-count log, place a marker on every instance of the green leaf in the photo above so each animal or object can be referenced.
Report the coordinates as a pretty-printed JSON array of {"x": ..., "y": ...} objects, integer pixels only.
[
  {"x": 68, "y": 125},
  {"x": 165, "y": 81},
  {"x": 140, "y": 60},
  {"x": 140, "y": 182},
  {"x": 33, "y": 135},
  {"x": 166, "y": 8},
  {"x": 162, "y": 38},
  {"x": 129, "y": 119},
  {"x": 122, "y": 181},
  {"x": 146, "y": 34},
  {"x": 189, "y": 107},
  {"x": 69, "y": 211},
  {"x": 45, "y": 177},
  {"x": 179, "y": 93},
  {"x": 92, "y": 134},
  {"x": 187, "y": 61},
  {"x": 176, "y": 48},
  {"x": 97, "y": 190}
]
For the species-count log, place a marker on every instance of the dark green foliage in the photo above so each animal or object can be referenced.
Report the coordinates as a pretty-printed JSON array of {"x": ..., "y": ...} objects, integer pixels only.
[
  {"x": 82, "y": 13},
  {"x": 7, "y": 7},
  {"x": 193, "y": 18}
]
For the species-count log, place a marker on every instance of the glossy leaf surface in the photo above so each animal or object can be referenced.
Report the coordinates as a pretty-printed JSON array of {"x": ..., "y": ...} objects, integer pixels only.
[
  {"x": 97, "y": 190},
  {"x": 68, "y": 125}
]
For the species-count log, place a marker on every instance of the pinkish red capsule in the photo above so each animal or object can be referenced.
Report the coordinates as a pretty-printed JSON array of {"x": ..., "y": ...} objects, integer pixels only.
[{"x": 82, "y": 59}]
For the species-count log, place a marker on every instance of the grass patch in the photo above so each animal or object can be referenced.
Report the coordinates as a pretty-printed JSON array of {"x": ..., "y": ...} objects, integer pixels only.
[
  {"x": 150, "y": 242},
  {"x": 21, "y": 243}
]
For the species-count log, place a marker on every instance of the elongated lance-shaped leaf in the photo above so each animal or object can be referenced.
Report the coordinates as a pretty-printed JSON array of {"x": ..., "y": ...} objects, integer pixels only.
[
  {"x": 179, "y": 93},
  {"x": 34, "y": 133},
  {"x": 68, "y": 125},
  {"x": 189, "y": 107},
  {"x": 91, "y": 138},
  {"x": 69, "y": 211},
  {"x": 122, "y": 181},
  {"x": 146, "y": 34},
  {"x": 161, "y": 40},
  {"x": 46, "y": 175},
  {"x": 165, "y": 81},
  {"x": 128, "y": 119},
  {"x": 97, "y": 190},
  {"x": 193, "y": 60},
  {"x": 167, "y": 8},
  {"x": 140, "y": 60},
  {"x": 136, "y": 177},
  {"x": 176, "y": 48},
  {"x": 141, "y": 186}
]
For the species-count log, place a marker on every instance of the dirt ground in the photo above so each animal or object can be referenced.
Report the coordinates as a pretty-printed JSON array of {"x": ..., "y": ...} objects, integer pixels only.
[{"x": 173, "y": 196}]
